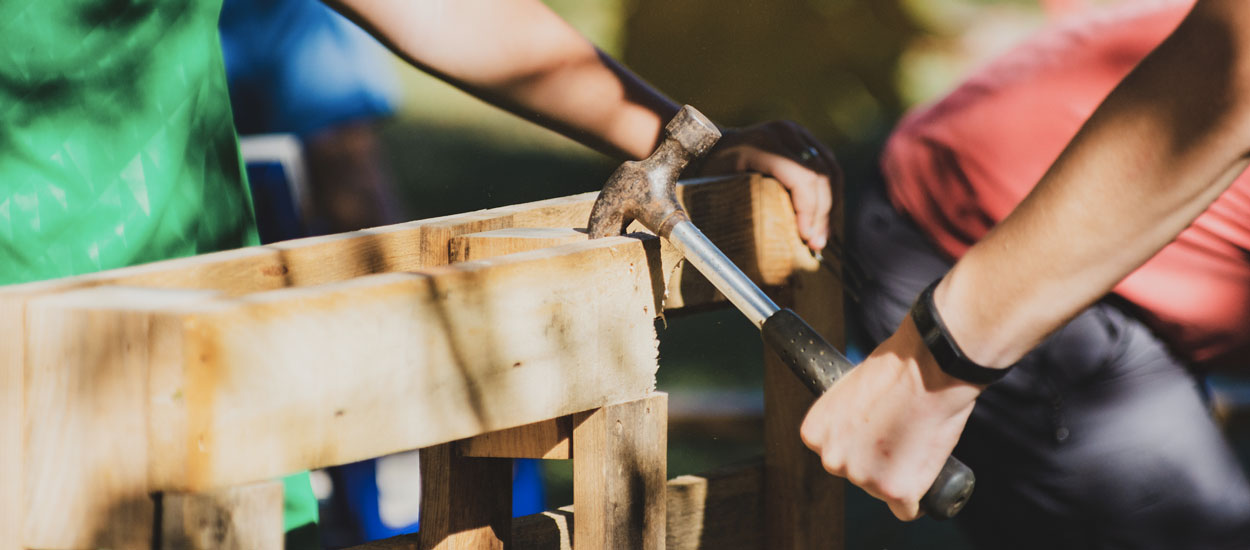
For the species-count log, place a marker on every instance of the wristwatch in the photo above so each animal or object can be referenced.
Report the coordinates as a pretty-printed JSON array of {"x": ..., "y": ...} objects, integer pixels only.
[{"x": 949, "y": 357}]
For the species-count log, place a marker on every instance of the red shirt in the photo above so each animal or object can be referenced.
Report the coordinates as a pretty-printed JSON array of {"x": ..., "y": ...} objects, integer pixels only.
[{"x": 959, "y": 166}]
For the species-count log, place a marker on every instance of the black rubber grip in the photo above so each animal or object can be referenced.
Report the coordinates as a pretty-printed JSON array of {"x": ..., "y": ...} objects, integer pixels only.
[{"x": 819, "y": 365}]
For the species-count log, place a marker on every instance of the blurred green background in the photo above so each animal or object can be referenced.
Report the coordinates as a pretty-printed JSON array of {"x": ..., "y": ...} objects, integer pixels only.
[{"x": 845, "y": 69}]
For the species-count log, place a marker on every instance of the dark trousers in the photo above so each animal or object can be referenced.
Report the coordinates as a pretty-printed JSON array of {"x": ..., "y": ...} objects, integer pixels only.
[{"x": 1098, "y": 439}]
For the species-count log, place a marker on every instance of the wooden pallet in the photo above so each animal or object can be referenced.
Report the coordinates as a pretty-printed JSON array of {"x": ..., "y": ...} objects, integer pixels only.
[{"x": 202, "y": 378}]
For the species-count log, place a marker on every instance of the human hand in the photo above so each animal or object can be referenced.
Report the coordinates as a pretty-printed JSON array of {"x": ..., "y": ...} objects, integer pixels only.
[
  {"x": 788, "y": 152},
  {"x": 889, "y": 425}
]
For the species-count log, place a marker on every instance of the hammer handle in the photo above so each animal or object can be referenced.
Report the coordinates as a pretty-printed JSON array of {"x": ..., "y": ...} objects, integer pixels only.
[{"x": 819, "y": 365}]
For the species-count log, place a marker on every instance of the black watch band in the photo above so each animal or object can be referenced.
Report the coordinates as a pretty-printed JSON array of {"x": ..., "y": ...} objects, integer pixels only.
[{"x": 949, "y": 357}]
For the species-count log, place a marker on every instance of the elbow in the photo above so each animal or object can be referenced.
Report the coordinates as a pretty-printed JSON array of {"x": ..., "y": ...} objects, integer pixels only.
[
  {"x": 1226, "y": 21},
  {"x": 1211, "y": 52},
  {"x": 1220, "y": 32}
]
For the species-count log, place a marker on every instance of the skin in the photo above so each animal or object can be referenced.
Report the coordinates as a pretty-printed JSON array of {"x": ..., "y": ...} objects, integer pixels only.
[
  {"x": 1159, "y": 150},
  {"x": 522, "y": 57}
]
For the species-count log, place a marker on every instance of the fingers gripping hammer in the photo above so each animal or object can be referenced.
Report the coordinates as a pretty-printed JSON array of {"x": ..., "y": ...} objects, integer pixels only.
[{"x": 646, "y": 190}]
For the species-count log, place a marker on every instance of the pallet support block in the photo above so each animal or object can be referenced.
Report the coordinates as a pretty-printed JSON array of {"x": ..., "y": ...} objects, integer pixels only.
[
  {"x": 549, "y": 439},
  {"x": 466, "y": 502},
  {"x": 619, "y": 470}
]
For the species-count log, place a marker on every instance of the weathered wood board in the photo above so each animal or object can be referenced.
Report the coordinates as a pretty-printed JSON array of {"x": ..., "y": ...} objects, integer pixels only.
[
  {"x": 227, "y": 390},
  {"x": 237, "y": 372}
]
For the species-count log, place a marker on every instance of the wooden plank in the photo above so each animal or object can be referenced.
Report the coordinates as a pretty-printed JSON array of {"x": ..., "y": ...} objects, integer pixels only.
[
  {"x": 488, "y": 244},
  {"x": 548, "y": 439},
  {"x": 247, "y": 517},
  {"x": 749, "y": 217},
  {"x": 619, "y": 464},
  {"x": 803, "y": 504},
  {"x": 12, "y": 423},
  {"x": 720, "y": 510},
  {"x": 466, "y": 502},
  {"x": 325, "y": 259},
  {"x": 252, "y": 387},
  {"x": 467, "y": 349},
  {"x": 737, "y": 212},
  {"x": 86, "y": 447},
  {"x": 751, "y": 221},
  {"x": 561, "y": 213}
]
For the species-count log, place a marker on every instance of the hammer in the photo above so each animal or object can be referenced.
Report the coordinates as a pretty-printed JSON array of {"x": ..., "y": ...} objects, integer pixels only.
[{"x": 646, "y": 191}]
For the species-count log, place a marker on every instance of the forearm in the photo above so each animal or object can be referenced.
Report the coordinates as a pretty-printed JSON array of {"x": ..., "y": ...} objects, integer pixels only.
[
  {"x": 522, "y": 57},
  {"x": 1155, "y": 154}
]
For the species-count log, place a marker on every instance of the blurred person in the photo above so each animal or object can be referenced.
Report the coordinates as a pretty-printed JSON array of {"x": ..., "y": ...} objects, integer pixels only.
[
  {"x": 298, "y": 67},
  {"x": 1126, "y": 271},
  {"x": 119, "y": 149}
]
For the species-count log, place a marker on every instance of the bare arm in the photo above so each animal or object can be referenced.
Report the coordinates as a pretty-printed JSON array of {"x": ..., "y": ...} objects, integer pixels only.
[
  {"x": 1155, "y": 154},
  {"x": 1167, "y": 142},
  {"x": 522, "y": 57}
]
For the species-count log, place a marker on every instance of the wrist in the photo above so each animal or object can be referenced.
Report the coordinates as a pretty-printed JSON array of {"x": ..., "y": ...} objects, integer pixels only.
[
  {"x": 942, "y": 346},
  {"x": 986, "y": 327},
  {"x": 950, "y": 393}
]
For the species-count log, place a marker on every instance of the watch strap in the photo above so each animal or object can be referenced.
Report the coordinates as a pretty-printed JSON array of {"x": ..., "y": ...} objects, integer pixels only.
[{"x": 950, "y": 358}]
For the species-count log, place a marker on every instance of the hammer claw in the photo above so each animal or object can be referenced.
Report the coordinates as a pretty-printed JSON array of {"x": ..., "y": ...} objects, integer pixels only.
[{"x": 646, "y": 190}]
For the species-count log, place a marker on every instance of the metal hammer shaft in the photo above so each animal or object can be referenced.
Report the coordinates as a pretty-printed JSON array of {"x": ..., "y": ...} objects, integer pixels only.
[{"x": 724, "y": 275}]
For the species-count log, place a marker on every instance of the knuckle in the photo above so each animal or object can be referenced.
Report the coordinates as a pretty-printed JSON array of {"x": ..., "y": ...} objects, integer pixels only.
[
  {"x": 810, "y": 436},
  {"x": 834, "y": 465},
  {"x": 897, "y": 492},
  {"x": 904, "y": 511},
  {"x": 890, "y": 491}
]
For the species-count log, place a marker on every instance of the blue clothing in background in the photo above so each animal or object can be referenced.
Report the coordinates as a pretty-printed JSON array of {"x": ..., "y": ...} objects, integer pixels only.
[{"x": 296, "y": 66}]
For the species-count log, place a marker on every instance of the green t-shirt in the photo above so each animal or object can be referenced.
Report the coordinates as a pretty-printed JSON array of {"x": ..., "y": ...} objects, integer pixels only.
[
  {"x": 117, "y": 146},
  {"x": 116, "y": 142}
]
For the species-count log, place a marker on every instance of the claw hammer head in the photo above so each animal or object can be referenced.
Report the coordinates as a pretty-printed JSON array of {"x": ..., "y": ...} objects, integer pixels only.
[{"x": 646, "y": 190}]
